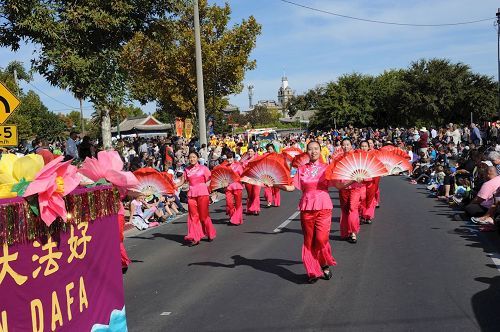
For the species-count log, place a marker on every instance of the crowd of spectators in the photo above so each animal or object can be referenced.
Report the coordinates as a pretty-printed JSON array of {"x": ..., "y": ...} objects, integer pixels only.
[{"x": 458, "y": 164}]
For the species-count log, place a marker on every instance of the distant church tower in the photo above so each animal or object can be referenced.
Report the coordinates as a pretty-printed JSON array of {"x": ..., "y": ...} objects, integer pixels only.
[{"x": 284, "y": 93}]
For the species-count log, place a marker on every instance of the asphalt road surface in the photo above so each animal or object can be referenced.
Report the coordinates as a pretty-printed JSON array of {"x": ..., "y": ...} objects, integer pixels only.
[{"x": 413, "y": 269}]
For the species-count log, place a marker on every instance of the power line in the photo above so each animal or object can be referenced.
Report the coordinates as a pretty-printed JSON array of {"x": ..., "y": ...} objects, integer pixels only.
[
  {"x": 60, "y": 102},
  {"x": 385, "y": 22}
]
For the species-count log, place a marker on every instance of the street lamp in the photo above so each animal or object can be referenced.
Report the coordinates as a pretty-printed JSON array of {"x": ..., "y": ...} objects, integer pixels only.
[{"x": 199, "y": 76}]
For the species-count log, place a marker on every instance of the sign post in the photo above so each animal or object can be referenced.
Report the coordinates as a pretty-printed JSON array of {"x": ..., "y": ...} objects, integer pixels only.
[{"x": 8, "y": 104}]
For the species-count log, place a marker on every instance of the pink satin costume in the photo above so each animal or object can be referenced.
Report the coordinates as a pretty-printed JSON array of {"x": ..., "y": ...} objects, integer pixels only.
[
  {"x": 315, "y": 216},
  {"x": 199, "y": 222},
  {"x": 234, "y": 196}
]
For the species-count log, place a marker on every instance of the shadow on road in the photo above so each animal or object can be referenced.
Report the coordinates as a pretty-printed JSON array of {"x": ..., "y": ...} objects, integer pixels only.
[
  {"x": 172, "y": 237},
  {"x": 486, "y": 304},
  {"x": 269, "y": 265}
]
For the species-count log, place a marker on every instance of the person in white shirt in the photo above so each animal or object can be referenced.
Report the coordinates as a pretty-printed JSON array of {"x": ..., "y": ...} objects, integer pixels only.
[
  {"x": 433, "y": 133},
  {"x": 72, "y": 146}
]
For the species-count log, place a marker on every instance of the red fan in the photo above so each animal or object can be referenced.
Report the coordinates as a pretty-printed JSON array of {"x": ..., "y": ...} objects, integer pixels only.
[
  {"x": 291, "y": 152},
  {"x": 151, "y": 182},
  {"x": 389, "y": 148},
  {"x": 394, "y": 163},
  {"x": 356, "y": 166},
  {"x": 300, "y": 160},
  {"x": 337, "y": 155},
  {"x": 279, "y": 158},
  {"x": 401, "y": 153},
  {"x": 266, "y": 171},
  {"x": 171, "y": 187},
  {"x": 222, "y": 177},
  {"x": 337, "y": 152}
]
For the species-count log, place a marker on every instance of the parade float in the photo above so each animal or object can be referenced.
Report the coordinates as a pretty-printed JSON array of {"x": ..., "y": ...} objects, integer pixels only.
[{"x": 60, "y": 257}]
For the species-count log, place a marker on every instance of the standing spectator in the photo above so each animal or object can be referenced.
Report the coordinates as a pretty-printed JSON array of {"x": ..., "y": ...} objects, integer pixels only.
[
  {"x": 423, "y": 142},
  {"x": 475, "y": 134},
  {"x": 86, "y": 148},
  {"x": 433, "y": 133},
  {"x": 454, "y": 134},
  {"x": 72, "y": 146},
  {"x": 493, "y": 133}
]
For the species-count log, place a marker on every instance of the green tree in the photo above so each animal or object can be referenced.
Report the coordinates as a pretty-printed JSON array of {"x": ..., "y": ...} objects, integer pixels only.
[
  {"x": 161, "y": 61},
  {"x": 80, "y": 43},
  {"x": 347, "y": 101}
]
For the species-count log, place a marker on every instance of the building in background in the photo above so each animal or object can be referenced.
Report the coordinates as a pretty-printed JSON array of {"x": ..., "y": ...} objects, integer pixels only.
[{"x": 141, "y": 126}]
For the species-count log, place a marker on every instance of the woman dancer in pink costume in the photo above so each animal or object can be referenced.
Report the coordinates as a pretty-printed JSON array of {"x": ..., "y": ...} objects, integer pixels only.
[
  {"x": 253, "y": 191},
  {"x": 367, "y": 206},
  {"x": 376, "y": 182},
  {"x": 272, "y": 194},
  {"x": 350, "y": 199},
  {"x": 199, "y": 222},
  {"x": 315, "y": 214},
  {"x": 234, "y": 192}
]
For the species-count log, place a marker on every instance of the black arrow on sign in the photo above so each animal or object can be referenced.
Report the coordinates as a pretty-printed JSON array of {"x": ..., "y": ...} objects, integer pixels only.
[{"x": 5, "y": 103}]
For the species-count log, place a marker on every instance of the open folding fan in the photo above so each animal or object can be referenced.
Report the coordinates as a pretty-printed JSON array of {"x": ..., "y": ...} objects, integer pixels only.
[
  {"x": 394, "y": 163},
  {"x": 151, "y": 182},
  {"x": 291, "y": 152},
  {"x": 401, "y": 153},
  {"x": 266, "y": 171},
  {"x": 222, "y": 176},
  {"x": 337, "y": 152},
  {"x": 388, "y": 148},
  {"x": 171, "y": 187},
  {"x": 300, "y": 160},
  {"x": 356, "y": 166},
  {"x": 279, "y": 158}
]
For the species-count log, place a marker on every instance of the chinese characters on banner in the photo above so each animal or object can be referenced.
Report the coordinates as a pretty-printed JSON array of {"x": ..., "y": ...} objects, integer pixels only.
[{"x": 70, "y": 281}]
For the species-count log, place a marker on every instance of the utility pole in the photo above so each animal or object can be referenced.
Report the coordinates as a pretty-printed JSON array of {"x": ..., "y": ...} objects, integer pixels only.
[
  {"x": 199, "y": 76},
  {"x": 82, "y": 120},
  {"x": 498, "y": 57}
]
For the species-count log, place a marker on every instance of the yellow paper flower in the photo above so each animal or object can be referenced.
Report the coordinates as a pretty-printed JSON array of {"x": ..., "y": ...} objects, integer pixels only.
[
  {"x": 5, "y": 191},
  {"x": 13, "y": 168}
]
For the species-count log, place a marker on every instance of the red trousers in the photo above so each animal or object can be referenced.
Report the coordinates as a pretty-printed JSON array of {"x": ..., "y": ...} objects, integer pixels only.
[
  {"x": 253, "y": 198},
  {"x": 198, "y": 221},
  {"x": 370, "y": 201},
  {"x": 123, "y": 253},
  {"x": 272, "y": 194},
  {"x": 234, "y": 206},
  {"x": 316, "y": 250},
  {"x": 377, "y": 193},
  {"x": 349, "y": 205}
]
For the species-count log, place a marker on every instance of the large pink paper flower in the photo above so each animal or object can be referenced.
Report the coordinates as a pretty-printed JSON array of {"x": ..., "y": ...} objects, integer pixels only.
[
  {"x": 109, "y": 166},
  {"x": 52, "y": 183}
]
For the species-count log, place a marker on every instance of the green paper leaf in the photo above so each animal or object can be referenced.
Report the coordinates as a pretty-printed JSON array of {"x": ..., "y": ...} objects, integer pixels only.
[
  {"x": 100, "y": 182},
  {"x": 33, "y": 203},
  {"x": 20, "y": 188}
]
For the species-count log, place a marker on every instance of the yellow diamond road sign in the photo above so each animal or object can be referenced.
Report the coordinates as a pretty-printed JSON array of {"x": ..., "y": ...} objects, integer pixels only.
[{"x": 8, "y": 103}]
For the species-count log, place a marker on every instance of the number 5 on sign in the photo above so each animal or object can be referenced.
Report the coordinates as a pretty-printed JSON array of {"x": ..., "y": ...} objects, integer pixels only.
[{"x": 8, "y": 135}]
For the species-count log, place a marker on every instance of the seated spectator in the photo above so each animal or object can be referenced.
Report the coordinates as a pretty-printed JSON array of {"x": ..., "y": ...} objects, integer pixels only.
[
  {"x": 485, "y": 197},
  {"x": 494, "y": 157}
]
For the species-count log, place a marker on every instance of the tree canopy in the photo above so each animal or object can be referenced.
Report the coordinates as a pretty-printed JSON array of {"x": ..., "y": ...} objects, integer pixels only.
[
  {"x": 79, "y": 43},
  {"x": 161, "y": 60},
  {"x": 428, "y": 92}
]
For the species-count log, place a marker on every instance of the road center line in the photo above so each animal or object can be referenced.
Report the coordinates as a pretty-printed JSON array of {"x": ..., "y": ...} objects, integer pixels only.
[{"x": 286, "y": 222}]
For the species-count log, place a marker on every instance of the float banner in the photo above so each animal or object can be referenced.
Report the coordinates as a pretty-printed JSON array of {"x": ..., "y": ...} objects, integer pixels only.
[
  {"x": 179, "y": 127},
  {"x": 69, "y": 281},
  {"x": 188, "y": 128}
]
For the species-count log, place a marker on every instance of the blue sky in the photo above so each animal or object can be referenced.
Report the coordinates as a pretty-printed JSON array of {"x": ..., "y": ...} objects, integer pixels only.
[{"x": 313, "y": 48}]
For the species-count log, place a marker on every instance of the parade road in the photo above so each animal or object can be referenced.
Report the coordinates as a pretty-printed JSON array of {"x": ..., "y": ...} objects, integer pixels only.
[{"x": 413, "y": 269}]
